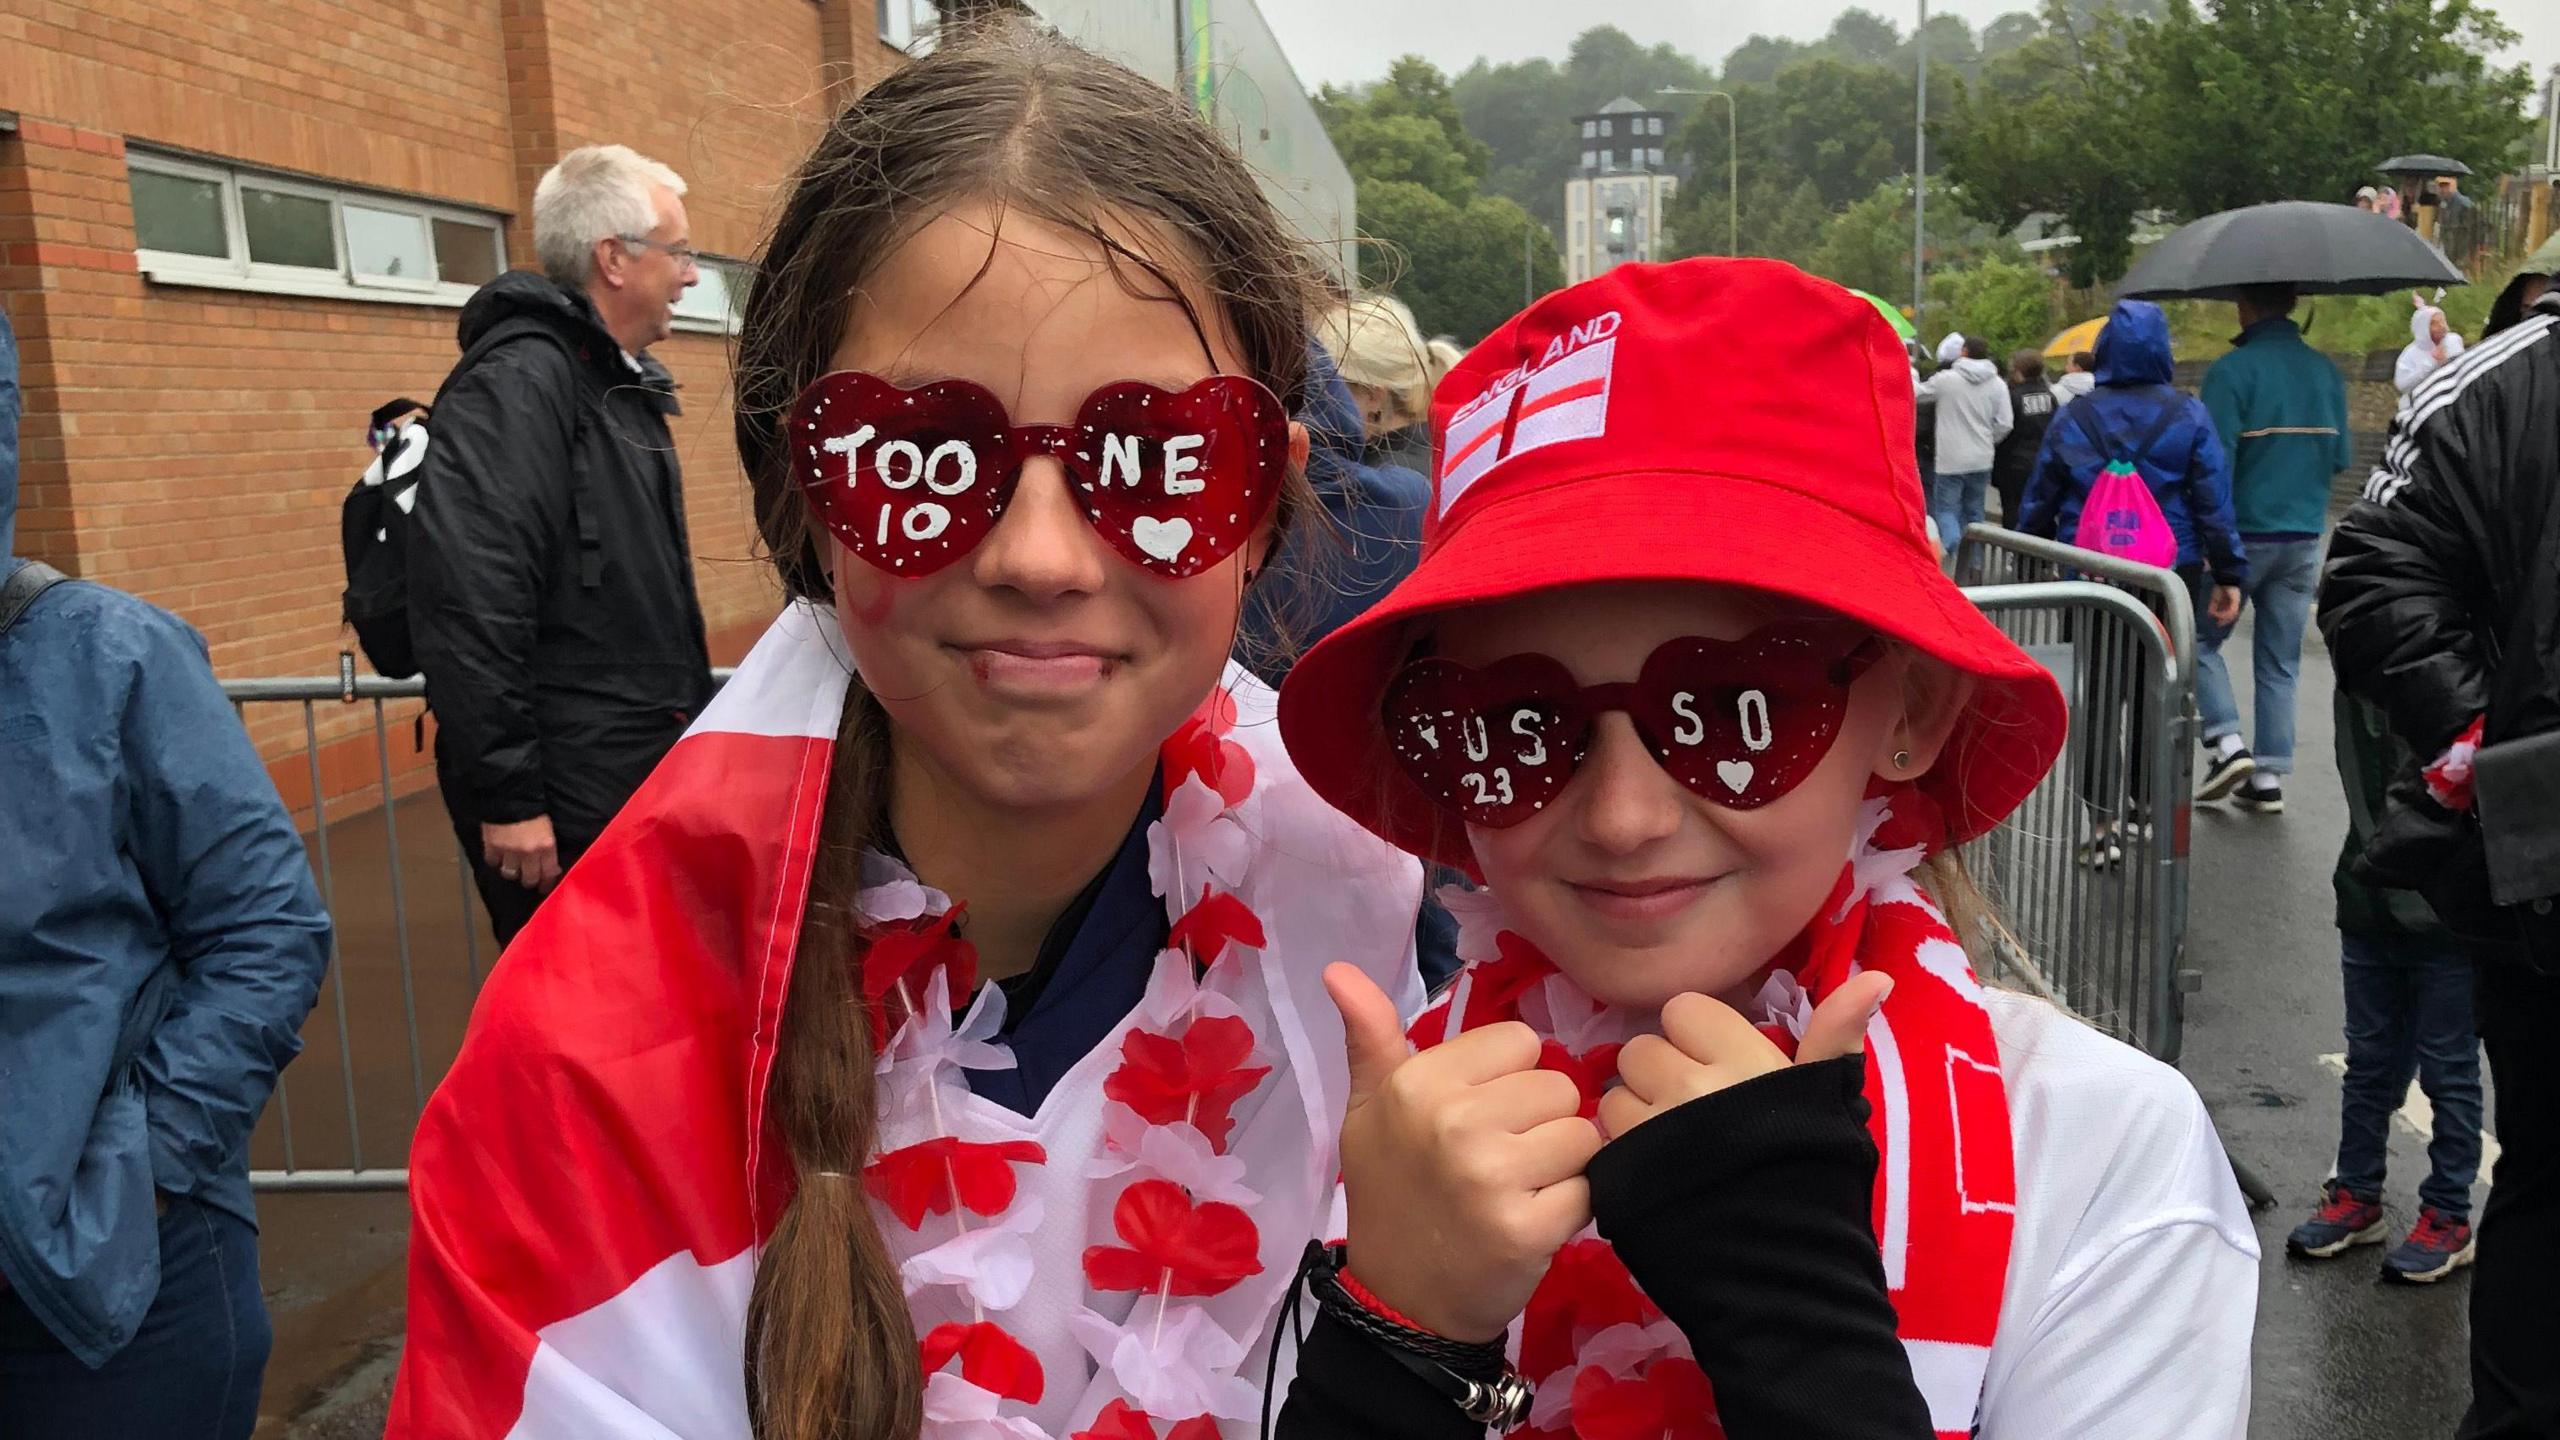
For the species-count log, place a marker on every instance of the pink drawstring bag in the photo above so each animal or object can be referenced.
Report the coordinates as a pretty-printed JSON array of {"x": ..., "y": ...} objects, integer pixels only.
[{"x": 2121, "y": 519}]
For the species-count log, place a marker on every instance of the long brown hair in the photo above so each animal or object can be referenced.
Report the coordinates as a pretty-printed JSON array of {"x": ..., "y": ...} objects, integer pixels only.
[{"x": 1021, "y": 119}]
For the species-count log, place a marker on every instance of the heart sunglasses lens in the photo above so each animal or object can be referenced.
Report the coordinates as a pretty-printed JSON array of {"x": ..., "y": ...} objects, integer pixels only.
[
  {"x": 1741, "y": 723},
  {"x": 909, "y": 480},
  {"x": 1178, "y": 482},
  {"x": 1492, "y": 747}
]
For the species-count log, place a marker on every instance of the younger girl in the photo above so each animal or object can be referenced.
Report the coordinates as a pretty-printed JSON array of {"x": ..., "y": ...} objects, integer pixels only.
[
  {"x": 738, "y": 1128},
  {"x": 1679, "y": 679}
]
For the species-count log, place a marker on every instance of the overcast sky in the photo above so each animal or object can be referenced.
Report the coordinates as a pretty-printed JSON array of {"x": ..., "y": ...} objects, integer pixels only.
[{"x": 1348, "y": 41}]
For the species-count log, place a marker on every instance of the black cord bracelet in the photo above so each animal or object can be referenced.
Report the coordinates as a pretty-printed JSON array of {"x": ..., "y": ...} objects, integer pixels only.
[{"x": 1477, "y": 1378}]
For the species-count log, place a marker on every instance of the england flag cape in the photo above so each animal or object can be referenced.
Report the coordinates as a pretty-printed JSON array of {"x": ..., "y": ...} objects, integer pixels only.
[{"x": 592, "y": 1180}]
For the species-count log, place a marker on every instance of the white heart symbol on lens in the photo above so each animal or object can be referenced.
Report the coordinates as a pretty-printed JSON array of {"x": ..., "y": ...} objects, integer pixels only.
[
  {"x": 1736, "y": 774},
  {"x": 1164, "y": 539}
]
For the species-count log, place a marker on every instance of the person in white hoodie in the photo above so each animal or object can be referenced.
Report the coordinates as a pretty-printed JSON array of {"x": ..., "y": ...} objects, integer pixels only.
[
  {"x": 2432, "y": 343},
  {"x": 1973, "y": 415},
  {"x": 2079, "y": 380}
]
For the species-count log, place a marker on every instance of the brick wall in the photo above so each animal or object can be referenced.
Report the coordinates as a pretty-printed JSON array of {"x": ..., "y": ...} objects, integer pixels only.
[{"x": 192, "y": 445}]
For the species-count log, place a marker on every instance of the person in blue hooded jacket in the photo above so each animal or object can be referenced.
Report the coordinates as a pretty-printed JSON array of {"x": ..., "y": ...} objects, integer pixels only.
[
  {"x": 160, "y": 943},
  {"x": 1325, "y": 575},
  {"x": 2134, "y": 409},
  {"x": 2134, "y": 414}
]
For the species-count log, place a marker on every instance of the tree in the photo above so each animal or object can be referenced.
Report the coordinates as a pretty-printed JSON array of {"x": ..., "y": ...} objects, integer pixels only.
[
  {"x": 1428, "y": 232},
  {"x": 2274, "y": 99},
  {"x": 1405, "y": 127},
  {"x": 1951, "y": 47},
  {"x": 1758, "y": 60},
  {"x": 2007, "y": 302},
  {"x": 1868, "y": 245},
  {"x": 2205, "y": 110},
  {"x": 1841, "y": 127},
  {"x": 1865, "y": 36},
  {"x": 1458, "y": 266},
  {"x": 2049, "y": 127},
  {"x": 1416, "y": 88},
  {"x": 2012, "y": 31},
  {"x": 1403, "y": 147}
]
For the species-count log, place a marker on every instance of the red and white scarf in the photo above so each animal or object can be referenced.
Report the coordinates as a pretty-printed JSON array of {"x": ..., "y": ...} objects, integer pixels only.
[{"x": 1607, "y": 1365}]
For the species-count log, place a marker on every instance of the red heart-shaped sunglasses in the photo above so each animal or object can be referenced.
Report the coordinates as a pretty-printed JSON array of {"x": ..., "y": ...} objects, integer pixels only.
[
  {"x": 1737, "y": 722},
  {"x": 911, "y": 480}
]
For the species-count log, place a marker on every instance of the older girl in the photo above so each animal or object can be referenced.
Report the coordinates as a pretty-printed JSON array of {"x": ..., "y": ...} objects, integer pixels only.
[{"x": 954, "y": 984}]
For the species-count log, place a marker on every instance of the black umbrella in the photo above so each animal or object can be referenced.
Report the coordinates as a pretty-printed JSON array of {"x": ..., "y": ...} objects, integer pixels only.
[
  {"x": 2423, "y": 165},
  {"x": 2318, "y": 249}
]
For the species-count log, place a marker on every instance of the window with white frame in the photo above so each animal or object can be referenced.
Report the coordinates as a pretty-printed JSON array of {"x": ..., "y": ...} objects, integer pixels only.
[
  {"x": 718, "y": 299},
  {"x": 200, "y": 223},
  {"x": 911, "y": 25}
]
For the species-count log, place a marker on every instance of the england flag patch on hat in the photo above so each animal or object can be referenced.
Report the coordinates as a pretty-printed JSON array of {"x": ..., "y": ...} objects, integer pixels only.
[{"x": 1563, "y": 396}]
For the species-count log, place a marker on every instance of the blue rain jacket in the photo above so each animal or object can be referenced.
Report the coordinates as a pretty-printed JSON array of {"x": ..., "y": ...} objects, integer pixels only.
[
  {"x": 1319, "y": 582},
  {"x": 2185, "y": 466},
  {"x": 160, "y": 943}
]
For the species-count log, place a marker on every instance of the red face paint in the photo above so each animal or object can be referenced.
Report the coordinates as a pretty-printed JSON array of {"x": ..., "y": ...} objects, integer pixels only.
[
  {"x": 1737, "y": 722},
  {"x": 911, "y": 480}
]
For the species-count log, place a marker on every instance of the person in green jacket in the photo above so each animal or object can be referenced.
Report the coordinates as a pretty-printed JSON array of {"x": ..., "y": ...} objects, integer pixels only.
[{"x": 2281, "y": 408}]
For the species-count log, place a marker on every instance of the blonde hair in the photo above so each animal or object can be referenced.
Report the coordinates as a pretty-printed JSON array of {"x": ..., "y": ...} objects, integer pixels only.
[
  {"x": 1444, "y": 357},
  {"x": 596, "y": 192},
  {"x": 1374, "y": 342}
]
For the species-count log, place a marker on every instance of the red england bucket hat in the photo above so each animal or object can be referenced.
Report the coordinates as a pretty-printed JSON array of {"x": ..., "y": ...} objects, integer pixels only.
[{"x": 1732, "y": 422}]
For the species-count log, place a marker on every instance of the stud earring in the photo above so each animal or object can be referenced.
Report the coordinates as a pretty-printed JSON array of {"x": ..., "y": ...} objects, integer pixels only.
[{"x": 1901, "y": 759}]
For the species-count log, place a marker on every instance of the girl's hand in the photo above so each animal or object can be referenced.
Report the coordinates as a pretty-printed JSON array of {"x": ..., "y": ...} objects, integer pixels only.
[
  {"x": 1462, "y": 1166},
  {"x": 1706, "y": 1046}
]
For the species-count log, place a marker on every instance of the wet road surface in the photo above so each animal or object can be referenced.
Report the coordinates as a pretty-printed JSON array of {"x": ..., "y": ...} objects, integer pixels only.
[
  {"x": 333, "y": 1264},
  {"x": 2338, "y": 1355}
]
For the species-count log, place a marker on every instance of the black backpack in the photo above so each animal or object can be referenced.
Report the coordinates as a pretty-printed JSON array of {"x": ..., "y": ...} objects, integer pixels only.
[
  {"x": 373, "y": 521},
  {"x": 373, "y": 534}
]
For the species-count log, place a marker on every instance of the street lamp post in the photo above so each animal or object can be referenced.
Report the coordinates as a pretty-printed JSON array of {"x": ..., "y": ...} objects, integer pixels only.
[
  {"x": 1732, "y": 165},
  {"x": 1920, "y": 166}
]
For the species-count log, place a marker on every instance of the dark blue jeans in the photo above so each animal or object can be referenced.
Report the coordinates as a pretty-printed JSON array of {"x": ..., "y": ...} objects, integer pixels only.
[
  {"x": 192, "y": 1370},
  {"x": 2409, "y": 1014}
]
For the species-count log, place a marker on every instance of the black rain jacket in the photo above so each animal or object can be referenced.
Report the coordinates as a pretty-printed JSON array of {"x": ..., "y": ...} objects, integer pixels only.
[
  {"x": 551, "y": 581},
  {"x": 2441, "y": 602}
]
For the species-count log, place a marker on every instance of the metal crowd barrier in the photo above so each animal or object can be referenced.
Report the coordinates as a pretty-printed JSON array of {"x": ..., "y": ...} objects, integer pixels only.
[
  {"x": 2090, "y": 874},
  {"x": 406, "y": 960}
]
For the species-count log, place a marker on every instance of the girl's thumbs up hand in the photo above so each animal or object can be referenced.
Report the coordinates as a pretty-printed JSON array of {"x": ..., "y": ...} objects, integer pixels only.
[
  {"x": 1462, "y": 1166},
  {"x": 1706, "y": 1046}
]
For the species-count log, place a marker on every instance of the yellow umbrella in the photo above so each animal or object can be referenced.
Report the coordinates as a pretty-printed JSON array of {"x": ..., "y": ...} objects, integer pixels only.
[
  {"x": 2083, "y": 336},
  {"x": 2076, "y": 338}
]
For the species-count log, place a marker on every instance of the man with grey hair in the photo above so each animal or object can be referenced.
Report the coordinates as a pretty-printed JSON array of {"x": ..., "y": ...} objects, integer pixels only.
[{"x": 551, "y": 596}]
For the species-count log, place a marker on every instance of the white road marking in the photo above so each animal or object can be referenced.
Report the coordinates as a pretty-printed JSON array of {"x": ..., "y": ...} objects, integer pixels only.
[{"x": 2418, "y": 1115}]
